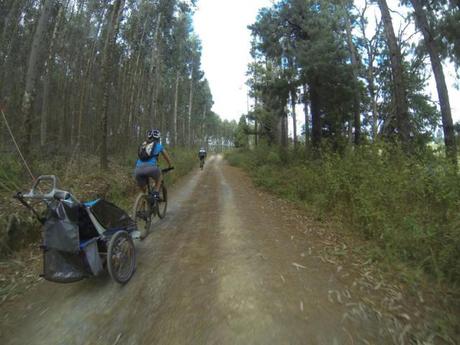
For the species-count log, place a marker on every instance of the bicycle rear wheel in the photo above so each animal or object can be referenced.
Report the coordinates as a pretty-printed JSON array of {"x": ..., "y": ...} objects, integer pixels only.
[
  {"x": 162, "y": 203},
  {"x": 142, "y": 215}
]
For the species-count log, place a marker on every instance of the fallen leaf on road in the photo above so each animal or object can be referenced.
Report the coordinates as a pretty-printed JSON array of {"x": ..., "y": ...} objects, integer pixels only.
[
  {"x": 118, "y": 339},
  {"x": 296, "y": 265}
]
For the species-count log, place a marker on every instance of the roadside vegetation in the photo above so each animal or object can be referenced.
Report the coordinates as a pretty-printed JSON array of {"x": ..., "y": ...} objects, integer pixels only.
[
  {"x": 377, "y": 152},
  {"x": 407, "y": 207}
]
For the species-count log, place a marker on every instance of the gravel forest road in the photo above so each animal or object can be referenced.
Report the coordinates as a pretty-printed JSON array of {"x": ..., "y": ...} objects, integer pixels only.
[{"x": 228, "y": 265}]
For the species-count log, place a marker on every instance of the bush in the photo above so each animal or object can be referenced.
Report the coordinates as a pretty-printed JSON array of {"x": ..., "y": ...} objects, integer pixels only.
[
  {"x": 12, "y": 174},
  {"x": 407, "y": 205}
]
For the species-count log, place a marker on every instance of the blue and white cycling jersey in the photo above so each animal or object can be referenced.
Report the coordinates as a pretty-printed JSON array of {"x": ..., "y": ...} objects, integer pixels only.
[{"x": 152, "y": 161}]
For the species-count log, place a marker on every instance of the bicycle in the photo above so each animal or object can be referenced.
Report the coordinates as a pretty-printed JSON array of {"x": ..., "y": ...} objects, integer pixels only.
[
  {"x": 146, "y": 206},
  {"x": 201, "y": 164}
]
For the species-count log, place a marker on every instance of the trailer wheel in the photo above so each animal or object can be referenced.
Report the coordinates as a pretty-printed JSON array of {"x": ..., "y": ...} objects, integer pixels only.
[{"x": 121, "y": 257}]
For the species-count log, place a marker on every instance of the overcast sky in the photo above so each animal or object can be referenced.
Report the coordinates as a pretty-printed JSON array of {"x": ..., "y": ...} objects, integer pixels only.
[{"x": 222, "y": 28}]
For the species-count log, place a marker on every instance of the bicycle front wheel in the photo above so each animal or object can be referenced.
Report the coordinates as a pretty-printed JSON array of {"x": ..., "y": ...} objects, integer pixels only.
[
  {"x": 162, "y": 203},
  {"x": 142, "y": 215}
]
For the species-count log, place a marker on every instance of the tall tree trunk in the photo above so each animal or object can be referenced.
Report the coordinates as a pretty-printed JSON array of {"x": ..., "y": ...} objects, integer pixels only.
[
  {"x": 47, "y": 79},
  {"x": 372, "y": 94},
  {"x": 112, "y": 31},
  {"x": 202, "y": 126},
  {"x": 135, "y": 81},
  {"x": 10, "y": 27},
  {"x": 315, "y": 115},
  {"x": 294, "y": 117},
  {"x": 190, "y": 102},
  {"x": 156, "y": 93},
  {"x": 33, "y": 70},
  {"x": 256, "y": 123},
  {"x": 284, "y": 128},
  {"x": 174, "y": 119},
  {"x": 155, "y": 74},
  {"x": 84, "y": 85},
  {"x": 399, "y": 86},
  {"x": 355, "y": 68},
  {"x": 443, "y": 95},
  {"x": 307, "y": 117}
]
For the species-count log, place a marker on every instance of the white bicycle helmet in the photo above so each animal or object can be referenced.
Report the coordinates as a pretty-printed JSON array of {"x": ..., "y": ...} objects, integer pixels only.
[{"x": 153, "y": 134}]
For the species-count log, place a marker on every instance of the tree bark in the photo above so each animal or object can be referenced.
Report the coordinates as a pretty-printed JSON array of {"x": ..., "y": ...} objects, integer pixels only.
[
  {"x": 355, "y": 68},
  {"x": 135, "y": 81},
  {"x": 399, "y": 85},
  {"x": 256, "y": 123},
  {"x": 84, "y": 85},
  {"x": 294, "y": 117},
  {"x": 174, "y": 119},
  {"x": 47, "y": 79},
  {"x": 443, "y": 95},
  {"x": 284, "y": 129},
  {"x": 315, "y": 116},
  {"x": 111, "y": 34},
  {"x": 190, "y": 102},
  {"x": 155, "y": 74},
  {"x": 33, "y": 70},
  {"x": 307, "y": 118}
]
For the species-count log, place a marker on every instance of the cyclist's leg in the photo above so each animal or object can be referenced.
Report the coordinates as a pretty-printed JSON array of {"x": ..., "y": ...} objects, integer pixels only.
[
  {"x": 142, "y": 178},
  {"x": 155, "y": 173}
]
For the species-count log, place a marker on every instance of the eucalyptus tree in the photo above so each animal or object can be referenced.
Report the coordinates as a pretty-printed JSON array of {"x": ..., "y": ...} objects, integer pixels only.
[
  {"x": 312, "y": 34},
  {"x": 355, "y": 63},
  {"x": 181, "y": 29},
  {"x": 49, "y": 64},
  {"x": 371, "y": 48},
  {"x": 448, "y": 28},
  {"x": 100, "y": 73},
  {"x": 112, "y": 26},
  {"x": 433, "y": 50},
  {"x": 34, "y": 67},
  {"x": 399, "y": 84}
]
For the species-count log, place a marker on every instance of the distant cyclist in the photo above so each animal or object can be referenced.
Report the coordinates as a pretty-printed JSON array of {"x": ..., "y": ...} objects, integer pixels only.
[
  {"x": 202, "y": 156},
  {"x": 147, "y": 162}
]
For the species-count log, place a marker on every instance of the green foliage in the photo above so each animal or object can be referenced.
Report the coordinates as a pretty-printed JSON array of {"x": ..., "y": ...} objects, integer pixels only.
[
  {"x": 11, "y": 173},
  {"x": 183, "y": 160},
  {"x": 407, "y": 206},
  {"x": 241, "y": 133}
]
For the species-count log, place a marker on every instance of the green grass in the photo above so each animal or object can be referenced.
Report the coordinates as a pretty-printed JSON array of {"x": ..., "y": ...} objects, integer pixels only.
[{"x": 408, "y": 207}]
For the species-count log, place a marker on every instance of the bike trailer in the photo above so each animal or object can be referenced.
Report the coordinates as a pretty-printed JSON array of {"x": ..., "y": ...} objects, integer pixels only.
[{"x": 76, "y": 236}]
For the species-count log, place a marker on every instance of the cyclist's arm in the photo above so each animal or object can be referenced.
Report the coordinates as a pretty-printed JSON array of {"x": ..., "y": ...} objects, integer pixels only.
[{"x": 166, "y": 157}]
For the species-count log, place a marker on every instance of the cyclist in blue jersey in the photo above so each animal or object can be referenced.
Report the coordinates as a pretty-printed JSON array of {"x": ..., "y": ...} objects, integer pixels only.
[{"x": 147, "y": 162}]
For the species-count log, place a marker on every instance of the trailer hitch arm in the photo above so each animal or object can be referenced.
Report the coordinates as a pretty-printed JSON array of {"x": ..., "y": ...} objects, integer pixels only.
[{"x": 21, "y": 199}]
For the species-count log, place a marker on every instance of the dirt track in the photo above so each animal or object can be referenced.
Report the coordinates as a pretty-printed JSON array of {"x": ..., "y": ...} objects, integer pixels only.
[{"x": 228, "y": 265}]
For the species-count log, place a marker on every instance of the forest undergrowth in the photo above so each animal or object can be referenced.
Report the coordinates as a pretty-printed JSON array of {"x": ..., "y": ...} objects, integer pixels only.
[
  {"x": 20, "y": 232},
  {"x": 406, "y": 209}
]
